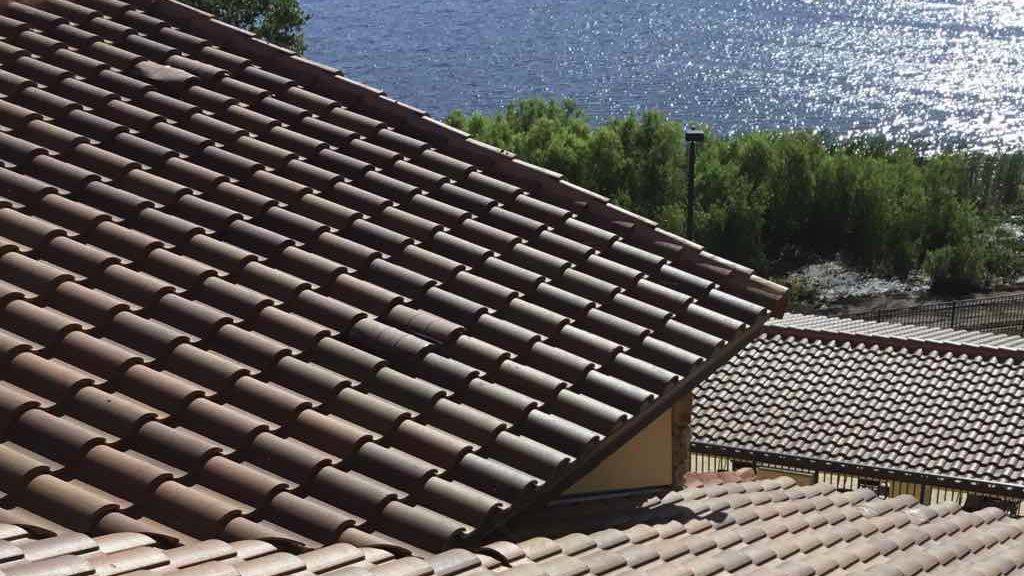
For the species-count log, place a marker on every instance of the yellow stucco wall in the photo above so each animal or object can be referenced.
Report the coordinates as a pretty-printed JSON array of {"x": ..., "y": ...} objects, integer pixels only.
[{"x": 644, "y": 461}]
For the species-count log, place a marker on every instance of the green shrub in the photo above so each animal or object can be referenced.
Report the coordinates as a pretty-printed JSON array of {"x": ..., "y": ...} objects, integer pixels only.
[
  {"x": 883, "y": 208},
  {"x": 277, "y": 21},
  {"x": 802, "y": 291},
  {"x": 957, "y": 269}
]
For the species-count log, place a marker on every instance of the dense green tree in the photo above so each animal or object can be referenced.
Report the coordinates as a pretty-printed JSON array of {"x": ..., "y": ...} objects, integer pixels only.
[
  {"x": 277, "y": 21},
  {"x": 772, "y": 200}
]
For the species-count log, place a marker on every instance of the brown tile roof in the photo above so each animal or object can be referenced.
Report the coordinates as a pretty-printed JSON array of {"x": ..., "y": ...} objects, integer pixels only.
[
  {"x": 752, "y": 527},
  {"x": 873, "y": 396},
  {"x": 242, "y": 296}
]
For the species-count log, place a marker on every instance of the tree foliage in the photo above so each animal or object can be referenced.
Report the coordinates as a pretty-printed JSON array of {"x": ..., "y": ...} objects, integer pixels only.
[
  {"x": 277, "y": 21},
  {"x": 781, "y": 199}
]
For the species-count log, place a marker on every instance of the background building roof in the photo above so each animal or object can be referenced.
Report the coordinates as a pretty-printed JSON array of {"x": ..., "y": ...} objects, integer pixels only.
[
  {"x": 245, "y": 297},
  {"x": 941, "y": 403},
  {"x": 920, "y": 336}
]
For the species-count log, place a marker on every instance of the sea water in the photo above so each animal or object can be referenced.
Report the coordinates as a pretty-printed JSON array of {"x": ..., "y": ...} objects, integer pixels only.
[{"x": 927, "y": 72}]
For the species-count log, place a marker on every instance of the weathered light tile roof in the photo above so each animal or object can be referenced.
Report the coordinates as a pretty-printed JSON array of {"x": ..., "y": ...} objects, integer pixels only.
[
  {"x": 242, "y": 296},
  {"x": 874, "y": 395},
  {"x": 771, "y": 527}
]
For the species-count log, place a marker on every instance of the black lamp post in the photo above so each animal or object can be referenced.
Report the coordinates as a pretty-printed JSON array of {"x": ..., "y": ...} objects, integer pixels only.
[{"x": 692, "y": 138}]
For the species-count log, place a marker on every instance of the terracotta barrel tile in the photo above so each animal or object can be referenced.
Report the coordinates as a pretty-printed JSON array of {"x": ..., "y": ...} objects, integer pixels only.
[
  {"x": 362, "y": 494},
  {"x": 528, "y": 455},
  {"x": 460, "y": 501},
  {"x": 392, "y": 466},
  {"x": 288, "y": 457},
  {"x": 66, "y": 503},
  {"x": 308, "y": 515},
  {"x": 420, "y": 525},
  {"x": 177, "y": 446},
  {"x": 470, "y": 423}
]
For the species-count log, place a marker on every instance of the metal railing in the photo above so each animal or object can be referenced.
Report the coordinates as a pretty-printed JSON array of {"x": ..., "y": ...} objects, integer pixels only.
[
  {"x": 921, "y": 489},
  {"x": 996, "y": 314}
]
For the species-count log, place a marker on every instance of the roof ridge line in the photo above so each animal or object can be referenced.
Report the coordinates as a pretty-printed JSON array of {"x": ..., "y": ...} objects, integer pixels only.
[
  {"x": 904, "y": 342},
  {"x": 732, "y": 277}
]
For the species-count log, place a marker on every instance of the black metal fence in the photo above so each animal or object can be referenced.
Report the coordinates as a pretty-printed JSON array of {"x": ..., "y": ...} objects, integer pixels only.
[{"x": 996, "y": 314}]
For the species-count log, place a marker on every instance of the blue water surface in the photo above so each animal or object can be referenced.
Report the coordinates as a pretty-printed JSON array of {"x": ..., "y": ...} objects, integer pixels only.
[{"x": 931, "y": 72}]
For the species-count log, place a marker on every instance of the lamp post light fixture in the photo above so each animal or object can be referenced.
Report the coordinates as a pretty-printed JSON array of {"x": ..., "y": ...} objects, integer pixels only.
[{"x": 692, "y": 137}]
